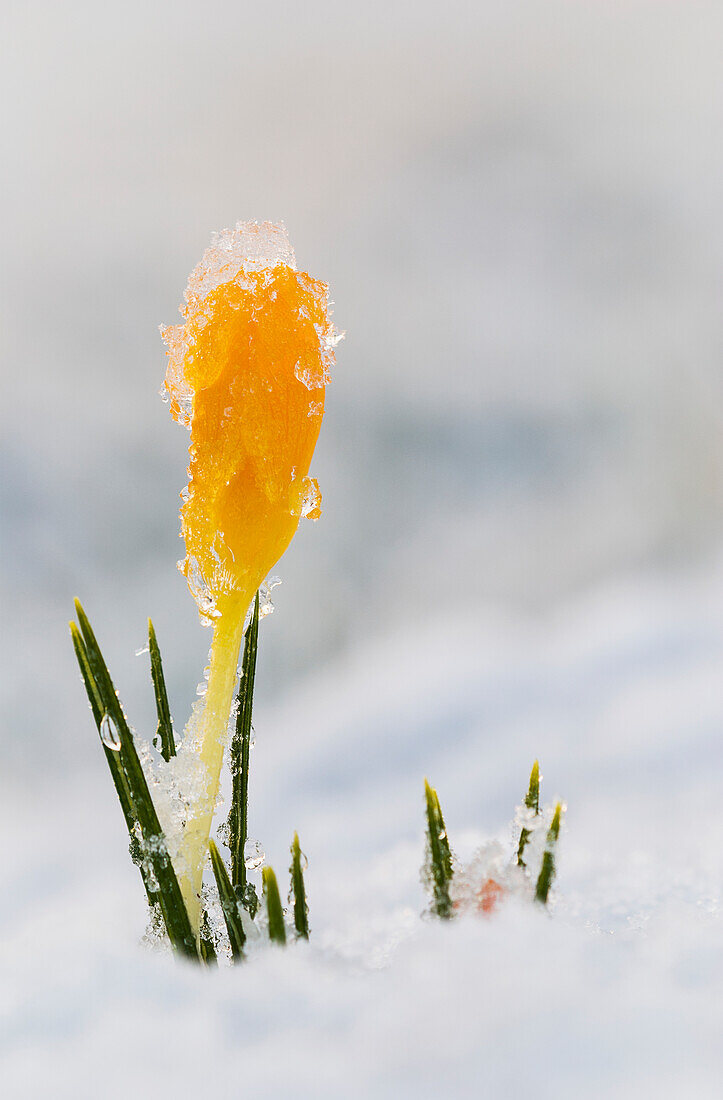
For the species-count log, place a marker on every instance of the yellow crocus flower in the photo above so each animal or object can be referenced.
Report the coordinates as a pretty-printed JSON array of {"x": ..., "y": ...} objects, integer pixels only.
[{"x": 247, "y": 373}]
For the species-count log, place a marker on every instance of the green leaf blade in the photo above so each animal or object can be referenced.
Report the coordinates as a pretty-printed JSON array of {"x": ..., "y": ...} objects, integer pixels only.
[
  {"x": 274, "y": 910},
  {"x": 170, "y": 898},
  {"x": 439, "y": 853},
  {"x": 229, "y": 904},
  {"x": 532, "y": 801},
  {"x": 301, "y": 908},
  {"x": 163, "y": 711},
  {"x": 547, "y": 870},
  {"x": 240, "y": 757},
  {"x": 116, "y": 770}
]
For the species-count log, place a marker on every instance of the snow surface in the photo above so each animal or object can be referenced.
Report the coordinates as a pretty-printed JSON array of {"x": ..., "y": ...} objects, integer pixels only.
[{"x": 613, "y": 992}]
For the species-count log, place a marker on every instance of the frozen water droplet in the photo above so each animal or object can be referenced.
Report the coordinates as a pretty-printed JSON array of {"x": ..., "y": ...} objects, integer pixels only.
[
  {"x": 185, "y": 409},
  {"x": 252, "y": 743},
  {"x": 266, "y": 605},
  {"x": 316, "y": 408},
  {"x": 250, "y": 902},
  {"x": 311, "y": 499},
  {"x": 254, "y": 855},
  {"x": 200, "y": 591},
  {"x": 201, "y": 688},
  {"x": 109, "y": 733},
  {"x": 443, "y": 834},
  {"x": 310, "y": 372},
  {"x": 143, "y": 649}
]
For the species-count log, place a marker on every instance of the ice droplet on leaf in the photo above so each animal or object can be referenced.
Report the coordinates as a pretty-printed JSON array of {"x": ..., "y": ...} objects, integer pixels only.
[
  {"x": 254, "y": 855},
  {"x": 109, "y": 733}
]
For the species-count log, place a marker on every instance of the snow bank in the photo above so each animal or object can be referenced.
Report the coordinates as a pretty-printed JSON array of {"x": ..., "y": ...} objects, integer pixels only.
[{"x": 613, "y": 992}]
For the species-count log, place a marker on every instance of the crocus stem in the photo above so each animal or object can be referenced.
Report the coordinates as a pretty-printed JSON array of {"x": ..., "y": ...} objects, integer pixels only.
[{"x": 209, "y": 748}]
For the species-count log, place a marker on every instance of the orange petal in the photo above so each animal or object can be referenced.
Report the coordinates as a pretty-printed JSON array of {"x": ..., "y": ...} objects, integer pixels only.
[
  {"x": 247, "y": 372},
  {"x": 489, "y": 895}
]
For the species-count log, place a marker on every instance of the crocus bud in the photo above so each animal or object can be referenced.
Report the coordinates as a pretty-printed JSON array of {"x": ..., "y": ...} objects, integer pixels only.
[{"x": 247, "y": 373}]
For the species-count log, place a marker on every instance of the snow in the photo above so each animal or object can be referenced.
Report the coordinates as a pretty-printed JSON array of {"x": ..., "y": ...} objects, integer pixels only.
[
  {"x": 614, "y": 991},
  {"x": 489, "y": 1007}
]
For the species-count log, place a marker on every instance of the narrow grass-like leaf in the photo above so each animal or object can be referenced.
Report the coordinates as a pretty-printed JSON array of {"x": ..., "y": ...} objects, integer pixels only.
[
  {"x": 207, "y": 951},
  {"x": 439, "y": 853},
  {"x": 301, "y": 908},
  {"x": 229, "y": 904},
  {"x": 240, "y": 755},
  {"x": 443, "y": 838},
  {"x": 116, "y": 770},
  {"x": 532, "y": 801},
  {"x": 170, "y": 898},
  {"x": 277, "y": 928},
  {"x": 165, "y": 724},
  {"x": 547, "y": 871},
  {"x": 205, "y": 941}
]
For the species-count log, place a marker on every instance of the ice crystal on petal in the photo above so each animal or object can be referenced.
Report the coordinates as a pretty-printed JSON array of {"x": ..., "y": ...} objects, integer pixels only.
[
  {"x": 311, "y": 499},
  {"x": 251, "y": 246},
  {"x": 310, "y": 374}
]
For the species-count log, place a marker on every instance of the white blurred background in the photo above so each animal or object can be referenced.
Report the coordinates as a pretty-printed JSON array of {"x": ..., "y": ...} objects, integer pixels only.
[{"x": 517, "y": 207}]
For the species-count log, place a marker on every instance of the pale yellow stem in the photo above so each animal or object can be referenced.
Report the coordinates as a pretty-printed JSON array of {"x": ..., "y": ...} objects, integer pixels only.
[{"x": 225, "y": 646}]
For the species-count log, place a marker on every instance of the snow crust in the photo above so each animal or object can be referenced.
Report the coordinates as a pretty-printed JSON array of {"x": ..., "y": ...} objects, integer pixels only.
[
  {"x": 249, "y": 246},
  {"x": 614, "y": 992}
]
